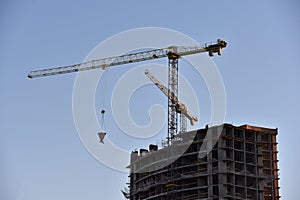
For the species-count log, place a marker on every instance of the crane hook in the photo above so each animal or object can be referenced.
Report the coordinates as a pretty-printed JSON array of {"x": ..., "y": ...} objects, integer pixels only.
[{"x": 102, "y": 133}]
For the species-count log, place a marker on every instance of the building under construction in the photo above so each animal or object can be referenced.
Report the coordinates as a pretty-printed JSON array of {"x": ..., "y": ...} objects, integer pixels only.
[{"x": 221, "y": 162}]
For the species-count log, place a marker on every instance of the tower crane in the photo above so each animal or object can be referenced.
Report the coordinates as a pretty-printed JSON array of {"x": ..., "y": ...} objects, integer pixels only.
[
  {"x": 173, "y": 53},
  {"x": 180, "y": 107}
]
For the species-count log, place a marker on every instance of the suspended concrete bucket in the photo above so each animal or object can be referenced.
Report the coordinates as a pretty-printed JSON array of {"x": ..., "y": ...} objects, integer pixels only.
[{"x": 101, "y": 136}]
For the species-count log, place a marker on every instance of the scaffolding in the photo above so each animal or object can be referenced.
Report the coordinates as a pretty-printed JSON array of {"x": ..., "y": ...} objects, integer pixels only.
[{"x": 242, "y": 165}]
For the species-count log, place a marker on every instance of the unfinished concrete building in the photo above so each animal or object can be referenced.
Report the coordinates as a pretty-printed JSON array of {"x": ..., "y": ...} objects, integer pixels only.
[{"x": 222, "y": 162}]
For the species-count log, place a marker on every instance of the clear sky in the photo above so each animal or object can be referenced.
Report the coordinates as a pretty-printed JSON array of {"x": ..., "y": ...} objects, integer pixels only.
[{"x": 41, "y": 154}]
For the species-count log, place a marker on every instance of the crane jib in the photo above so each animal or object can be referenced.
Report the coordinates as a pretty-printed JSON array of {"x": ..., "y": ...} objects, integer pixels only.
[{"x": 176, "y": 51}]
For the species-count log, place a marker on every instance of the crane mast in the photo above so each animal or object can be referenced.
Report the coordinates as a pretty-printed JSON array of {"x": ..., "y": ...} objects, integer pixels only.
[
  {"x": 180, "y": 107},
  {"x": 173, "y": 90}
]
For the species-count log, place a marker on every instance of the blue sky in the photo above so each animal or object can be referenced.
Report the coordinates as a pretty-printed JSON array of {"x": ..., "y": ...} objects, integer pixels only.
[{"x": 41, "y": 154}]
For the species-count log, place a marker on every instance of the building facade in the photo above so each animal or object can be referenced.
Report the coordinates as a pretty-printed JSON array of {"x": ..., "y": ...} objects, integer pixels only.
[{"x": 222, "y": 162}]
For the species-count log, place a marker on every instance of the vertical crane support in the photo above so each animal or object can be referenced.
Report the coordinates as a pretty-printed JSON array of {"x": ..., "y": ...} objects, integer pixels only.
[
  {"x": 173, "y": 91},
  {"x": 172, "y": 117},
  {"x": 183, "y": 123}
]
